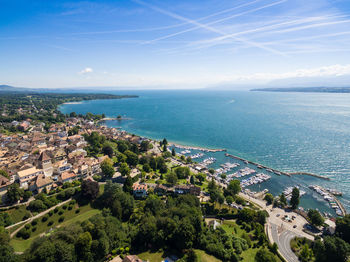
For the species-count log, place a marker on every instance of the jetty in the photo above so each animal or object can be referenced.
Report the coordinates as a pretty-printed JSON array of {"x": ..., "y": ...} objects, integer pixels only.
[
  {"x": 310, "y": 174},
  {"x": 258, "y": 165}
]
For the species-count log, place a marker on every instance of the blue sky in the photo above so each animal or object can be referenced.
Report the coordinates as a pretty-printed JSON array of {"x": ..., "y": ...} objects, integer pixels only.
[{"x": 174, "y": 44}]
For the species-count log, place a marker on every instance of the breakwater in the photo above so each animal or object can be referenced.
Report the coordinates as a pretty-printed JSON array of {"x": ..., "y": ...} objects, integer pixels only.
[{"x": 278, "y": 172}]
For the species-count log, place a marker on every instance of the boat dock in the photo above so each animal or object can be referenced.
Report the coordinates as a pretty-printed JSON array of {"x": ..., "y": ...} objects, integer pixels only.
[{"x": 197, "y": 148}]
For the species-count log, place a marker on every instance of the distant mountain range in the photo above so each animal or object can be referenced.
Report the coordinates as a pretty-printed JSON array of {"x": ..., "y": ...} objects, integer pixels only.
[
  {"x": 8, "y": 88},
  {"x": 306, "y": 89}
]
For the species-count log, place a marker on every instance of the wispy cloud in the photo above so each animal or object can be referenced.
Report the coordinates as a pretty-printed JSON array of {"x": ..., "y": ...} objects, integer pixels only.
[
  {"x": 86, "y": 70},
  {"x": 212, "y": 29}
]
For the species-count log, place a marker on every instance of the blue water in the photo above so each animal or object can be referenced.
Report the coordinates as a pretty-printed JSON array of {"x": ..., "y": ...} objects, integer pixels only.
[{"x": 286, "y": 131}]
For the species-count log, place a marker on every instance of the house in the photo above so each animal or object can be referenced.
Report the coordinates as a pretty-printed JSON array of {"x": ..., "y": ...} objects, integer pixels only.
[
  {"x": 162, "y": 190},
  {"x": 132, "y": 258},
  {"x": 59, "y": 154},
  {"x": 67, "y": 177},
  {"x": 61, "y": 143},
  {"x": 139, "y": 190},
  {"x": 187, "y": 189},
  {"x": 214, "y": 224},
  {"x": 27, "y": 175},
  {"x": 62, "y": 166},
  {"x": 40, "y": 183},
  {"x": 24, "y": 126}
]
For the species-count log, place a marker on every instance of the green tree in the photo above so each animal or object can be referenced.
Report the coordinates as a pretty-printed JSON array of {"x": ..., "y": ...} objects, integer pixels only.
[
  {"x": 14, "y": 193},
  {"x": 269, "y": 198},
  {"x": 124, "y": 169},
  {"x": 294, "y": 201},
  {"x": 108, "y": 150},
  {"x": 90, "y": 189},
  {"x": 173, "y": 153},
  {"x": 107, "y": 168},
  {"x": 305, "y": 253},
  {"x": 131, "y": 158},
  {"x": 343, "y": 227},
  {"x": 283, "y": 200},
  {"x": 83, "y": 245},
  {"x": 233, "y": 188},
  {"x": 192, "y": 180},
  {"x": 229, "y": 200},
  {"x": 127, "y": 187},
  {"x": 263, "y": 255},
  {"x": 171, "y": 178},
  {"x": 4, "y": 173},
  {"x": 315, "y": 217},
  {"x": 144, "y": 146}
]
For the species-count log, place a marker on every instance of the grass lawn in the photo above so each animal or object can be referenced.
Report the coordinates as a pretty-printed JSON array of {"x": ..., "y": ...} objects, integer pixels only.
[
  {"x": 159, "y": 256},
  {"x": 70, "y": 217},
  {"x": 230, "y": 225},
  {"x": 204, "y": 257},
  {"x": 17, "y": 214}
]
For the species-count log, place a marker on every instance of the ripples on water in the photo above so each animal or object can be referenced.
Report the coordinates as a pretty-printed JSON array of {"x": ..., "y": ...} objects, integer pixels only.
[{"x": 287, "y": 131}]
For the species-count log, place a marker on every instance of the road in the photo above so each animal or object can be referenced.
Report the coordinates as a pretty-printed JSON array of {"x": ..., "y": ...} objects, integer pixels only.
[{"x": 283, "y": 243}]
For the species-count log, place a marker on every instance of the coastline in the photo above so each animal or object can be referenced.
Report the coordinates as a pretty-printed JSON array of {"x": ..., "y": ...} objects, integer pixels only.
[
  {"x": 72, "y": 103},
  {"x": 197, "y": 148}
]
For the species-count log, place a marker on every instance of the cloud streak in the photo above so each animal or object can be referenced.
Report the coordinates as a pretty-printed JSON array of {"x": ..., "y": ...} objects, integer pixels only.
[{"x": 212, "y": 29}]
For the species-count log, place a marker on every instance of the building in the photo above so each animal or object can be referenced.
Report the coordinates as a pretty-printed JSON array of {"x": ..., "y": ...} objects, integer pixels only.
[
  {"x": 132, "y": 258},
  {"x": 45, "y": 164},
  {"x": 27, "y": 175},
  {"x": 140, "y": 190},
  {"x": 40, "y": 183}
]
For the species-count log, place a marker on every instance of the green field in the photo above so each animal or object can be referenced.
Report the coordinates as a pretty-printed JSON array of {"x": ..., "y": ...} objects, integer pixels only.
[
  {"x": 159, "y": 256},
  {"x": 17, "y": 214},
  {"x": 42, "y": 227}
]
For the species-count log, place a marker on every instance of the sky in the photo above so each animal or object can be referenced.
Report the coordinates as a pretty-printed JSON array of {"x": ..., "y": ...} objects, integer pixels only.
[{"x": 174, "y": 43}]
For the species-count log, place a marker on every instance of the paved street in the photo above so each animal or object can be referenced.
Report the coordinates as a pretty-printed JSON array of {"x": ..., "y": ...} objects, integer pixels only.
[{"x": 283, "y": 243}]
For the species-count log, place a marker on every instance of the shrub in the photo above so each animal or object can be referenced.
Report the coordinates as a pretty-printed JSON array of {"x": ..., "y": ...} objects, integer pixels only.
[
  {"x": 70, "y": 208},
  {"x": 60, "y": 212},
  {"x": 56, "y": 210},
  {"x": 61, "y": 219},
  {"x": 44, "y": 218},
  {"x": 72, "y": 202},
  {"x": 24, "y": 233},
  {"x": 33, "y": 229},
  {"x": 50, "y": 213},
  {"x": 34, "y": 222},
  {"x": 77, "y": 211},
  {"x": 26, "y": 216},
  {"x": 65, "y": 207},
  {"x": 27, "y": 226},
  {"x": 50, "y": 223}
]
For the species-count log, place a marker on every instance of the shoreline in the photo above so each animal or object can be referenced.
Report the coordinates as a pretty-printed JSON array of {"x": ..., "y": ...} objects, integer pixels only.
[{"x": 197, "y": 148}]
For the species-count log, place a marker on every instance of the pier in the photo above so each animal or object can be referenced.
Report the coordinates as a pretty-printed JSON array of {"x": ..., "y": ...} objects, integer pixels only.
[
  {"x": 310, "y": 174},
  {"x": 258, "y": 165}
]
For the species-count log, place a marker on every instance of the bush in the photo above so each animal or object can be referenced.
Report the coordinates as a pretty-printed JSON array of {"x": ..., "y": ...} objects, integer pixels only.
[
  {"x": 33, "y": 229},
  {"x": 77, "y": 211},
  {"x": 44, "y": 218},
  {"x": 64, "y": 207},
  {"x": 24, "y": 233},
  {"x": 27, "y": 226},
  {"x": 26, "y": 216},
  {"x": 34, "y": 222},
  {"x": 50, "y": 223},
  {"x": 61, "y": 219},
  {"x": 50, "y": 213},
  {"x": 72, "y": 202},
  {"x": 70, "y": 208},
  {"x": 60, "y": 212},
  {"x": 56, "y": 210}
]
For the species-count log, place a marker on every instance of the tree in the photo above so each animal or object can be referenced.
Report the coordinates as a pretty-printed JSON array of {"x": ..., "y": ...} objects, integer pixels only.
[
  {"x": 131, "y": 158},
  {"x": 27, "y": 194},
  {"x": 269, "y": 198},
  {"x": 192, "y": 180},
  {"x": 283, "y": 200},
  {"x": 165, "y": 142},
  {"x": 306, "y": 253},
  {"x": 108, "y": 150},
  {"x": 14, "y": 193},
  {"x": 221, "y": 199},
  {"x": 263, "y": 255},
  {"x": 294, "y": 201},
  {"x": 182, "y": 172},
  {"x": 315, "y": 217},
  {"x": 107, "y": 168},
  {"x": 144, "y": 146},
  {"x": 229, "y": 200},
  {"x": 165, "y": 148},
  {"x": 171, "y": 178},
  {"x": 146, "y": 168},
  {"x": 83, "y": 245},
  {"x": 127, "y": 187},
  {"x": 233, "y": 188},
  {"x": 124, "y": 169},
  {"x": 343, "y": 227},
  {"x": 90, "y": 189},
  {"x": 173, "y": 153}
]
